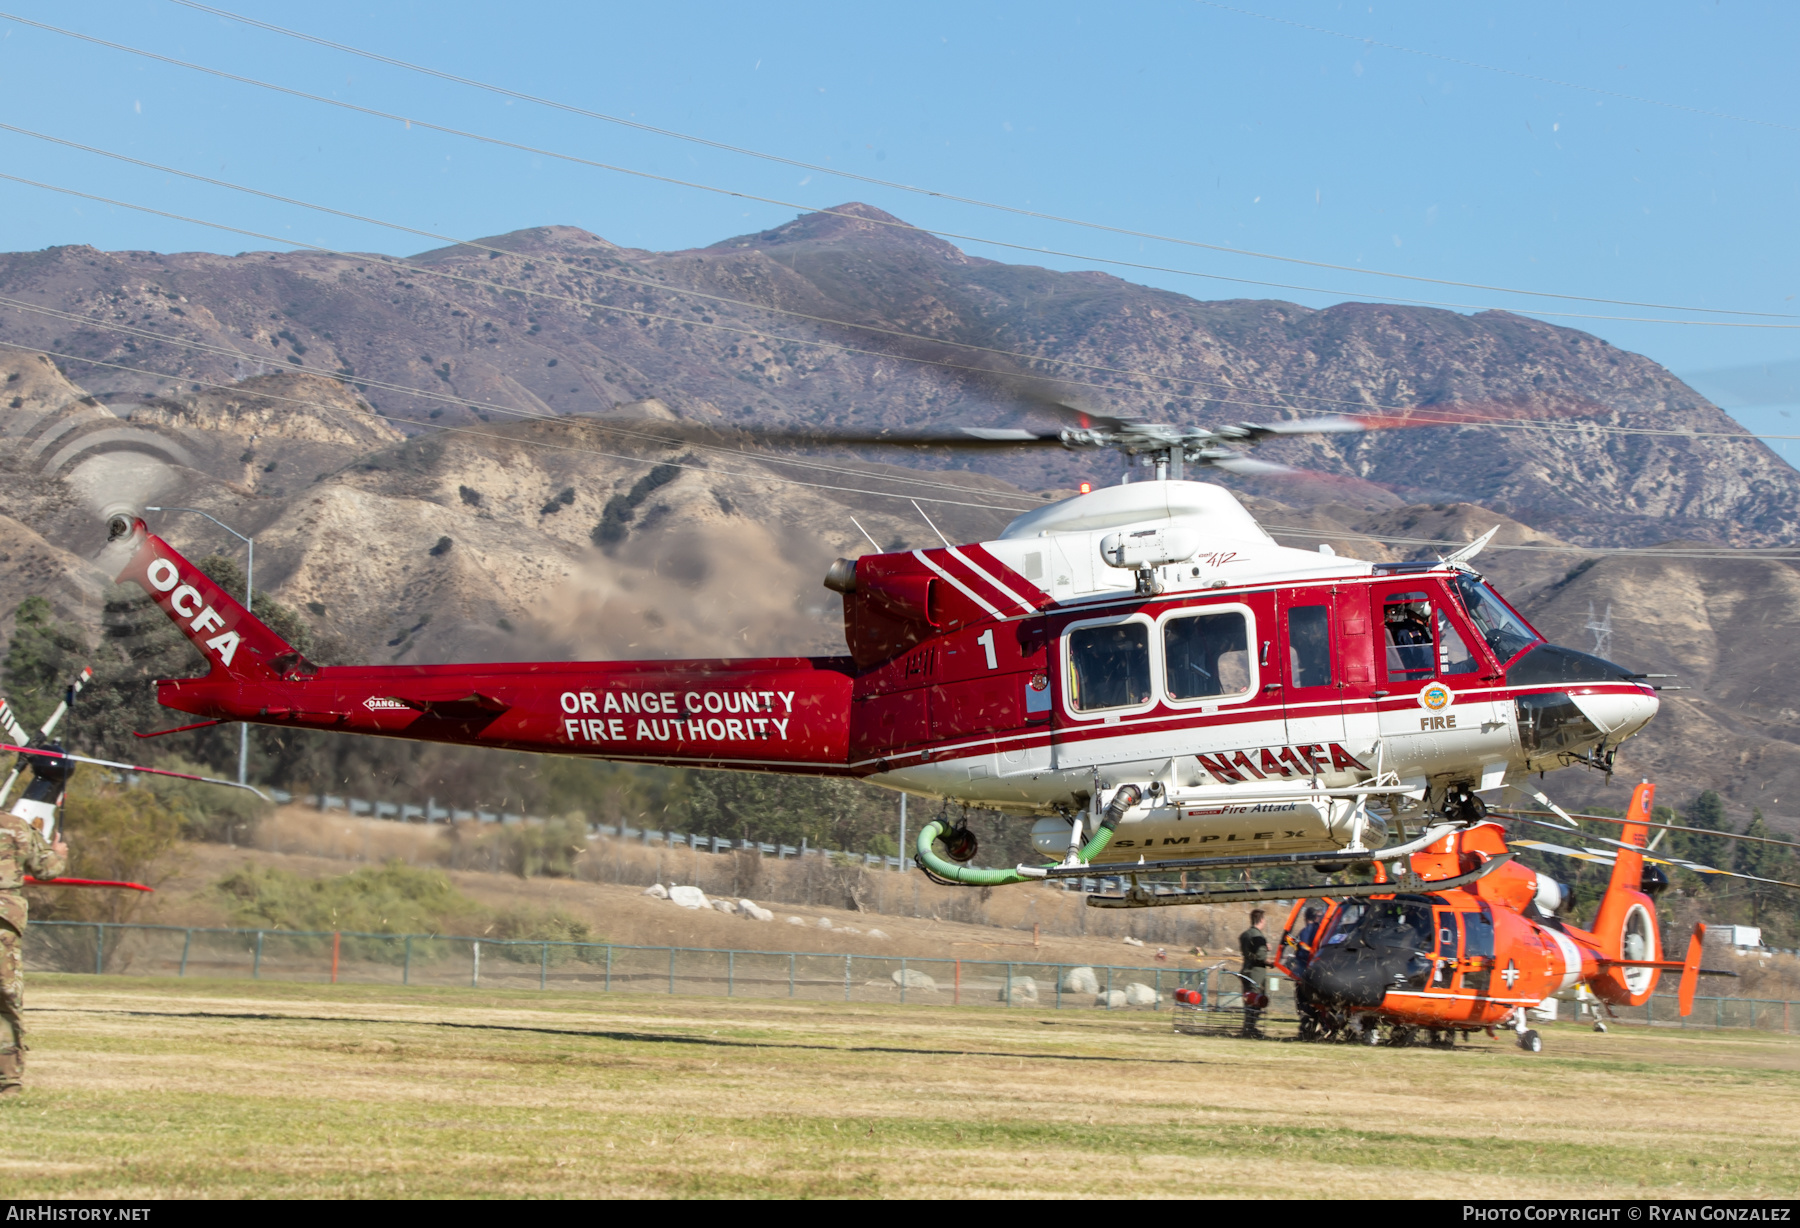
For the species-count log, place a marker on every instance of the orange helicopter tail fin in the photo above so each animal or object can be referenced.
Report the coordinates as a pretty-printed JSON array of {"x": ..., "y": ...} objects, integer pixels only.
[
  {"x": 1628, "y": 863},
  {"x": 1690, "y": 969},
  {"x": 1625, "y": 926}
]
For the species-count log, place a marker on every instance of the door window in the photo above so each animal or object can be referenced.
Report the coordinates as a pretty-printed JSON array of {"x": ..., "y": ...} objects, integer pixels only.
[
  {"x": 1309, "y": 645},
  {"x": 1109, "y": 666},
  {"x": 1207, "y": 656},
  {"x": 1478, "y": 950},
  {"x": 1406, "y": 623},
  {"x": 1454, "y": 656}
]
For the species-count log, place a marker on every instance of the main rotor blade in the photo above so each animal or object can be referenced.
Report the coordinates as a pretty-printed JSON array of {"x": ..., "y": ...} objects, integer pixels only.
[
  {"x": 1607, "y": 856},
  {"x": 131, "y": 767},
  {"x": 967, "y": 438},
  {"x": 1331, "y": 424},
  {"x": 1244, "y": 466}
]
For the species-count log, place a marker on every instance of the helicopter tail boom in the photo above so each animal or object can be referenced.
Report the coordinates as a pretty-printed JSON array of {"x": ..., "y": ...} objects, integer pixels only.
[{"x": 776, "y": 714}]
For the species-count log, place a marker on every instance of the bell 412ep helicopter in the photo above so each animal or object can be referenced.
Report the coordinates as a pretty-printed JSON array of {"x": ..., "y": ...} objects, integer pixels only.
[{"x": 1142, "y": 668}]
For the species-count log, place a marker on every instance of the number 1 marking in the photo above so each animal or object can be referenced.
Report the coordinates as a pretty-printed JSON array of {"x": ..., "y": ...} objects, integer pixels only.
[{"x": 986, "y": 640}]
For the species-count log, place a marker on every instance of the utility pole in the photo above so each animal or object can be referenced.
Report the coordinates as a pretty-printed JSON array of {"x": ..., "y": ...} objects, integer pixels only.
[
  {"x": 249, "y": 596},
  {"x": 903, "y": 833}
]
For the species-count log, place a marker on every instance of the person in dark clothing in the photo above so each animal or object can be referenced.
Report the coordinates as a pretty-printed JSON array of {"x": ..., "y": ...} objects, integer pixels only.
[
  {"x": 1253, "y": 948},
  {"x": 1299, "y": 955}
]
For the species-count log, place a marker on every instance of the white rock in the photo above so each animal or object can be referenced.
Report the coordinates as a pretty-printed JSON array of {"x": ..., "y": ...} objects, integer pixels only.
[
  {"x": 1080, "y": 980},
  {"x": 1112, "y": 999},
  {"x": 796, "y": 921},
  {"x": 657, "y": 891},
  {"x": 1133, "y": 942},
  {"x": 749, "y": 909},
  {"x": 687, "y": 897},
  {"x": 848, "y": 929},
  {"x": 912, "y": 978},
  {"x": 876, "y": 934},
  {"x": 1024, "y": 991},
  {"x": 725, "y": 906},
  {"x": 1139, "y": 994},
  {"x": 823, "y": 923}
]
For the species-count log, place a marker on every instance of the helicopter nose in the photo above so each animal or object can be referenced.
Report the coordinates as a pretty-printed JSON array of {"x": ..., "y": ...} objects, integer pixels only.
[
  {"x": 1347, "y": 977},
  {"x": 1619, "y": 714}
]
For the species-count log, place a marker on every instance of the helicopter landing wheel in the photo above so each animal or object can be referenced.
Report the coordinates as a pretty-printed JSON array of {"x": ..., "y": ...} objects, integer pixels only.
[
  {"x": 1531, "y": 1042},
  {"x": 1371, "y": 1035},
  {"x": 1599, "y": 1025}
]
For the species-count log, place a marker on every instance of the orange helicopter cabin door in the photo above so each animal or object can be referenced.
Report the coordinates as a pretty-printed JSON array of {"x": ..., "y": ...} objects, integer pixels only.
[
  {"x": 1478, "y": 951},
  {"x": 1311, "y": 655}
]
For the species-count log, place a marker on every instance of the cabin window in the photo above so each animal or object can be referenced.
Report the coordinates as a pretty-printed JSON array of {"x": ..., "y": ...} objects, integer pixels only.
[
  {"x": 1406, "y": 620},
  {"x": 1309, "y": 646},
  {"x": 1109, "y": 666},
  {"x": 1207, "y": 656},
  {"x": 1454, "y": 656}
]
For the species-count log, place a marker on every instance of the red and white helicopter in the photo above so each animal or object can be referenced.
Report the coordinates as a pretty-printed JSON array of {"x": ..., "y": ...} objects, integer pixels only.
[{"x": 1142, "y": 667}]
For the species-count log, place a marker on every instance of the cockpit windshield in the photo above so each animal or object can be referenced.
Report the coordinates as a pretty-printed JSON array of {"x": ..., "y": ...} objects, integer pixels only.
[
  {"x": 1397, "y": 923},
  {"x": 1504, "y": 631}
]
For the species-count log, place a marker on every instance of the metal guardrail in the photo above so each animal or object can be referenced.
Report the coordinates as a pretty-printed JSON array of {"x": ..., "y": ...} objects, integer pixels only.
[{"x": 347, "y": 957}]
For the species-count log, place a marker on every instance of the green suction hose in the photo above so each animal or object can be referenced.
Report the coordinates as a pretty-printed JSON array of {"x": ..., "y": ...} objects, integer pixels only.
[
  {"x": 927, "y": 858},
  {"x": 968, "y": 875}
]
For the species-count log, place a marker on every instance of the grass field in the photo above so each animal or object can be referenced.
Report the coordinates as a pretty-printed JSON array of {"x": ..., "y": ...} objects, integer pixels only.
[{"x": 148, "y": 1088}]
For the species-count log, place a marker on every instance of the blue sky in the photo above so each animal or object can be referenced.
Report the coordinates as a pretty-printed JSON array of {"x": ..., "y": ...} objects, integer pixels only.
[{"x": 1627, "y": 151}]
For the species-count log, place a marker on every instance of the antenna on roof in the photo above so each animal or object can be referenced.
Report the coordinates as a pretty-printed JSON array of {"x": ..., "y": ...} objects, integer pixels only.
[
  {"x": 934, "y": 528},
  {"x": 865, "y": 533}
]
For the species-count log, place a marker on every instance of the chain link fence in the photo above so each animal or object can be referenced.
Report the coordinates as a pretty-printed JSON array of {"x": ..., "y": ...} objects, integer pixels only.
[{"x": 434, "y": 959}]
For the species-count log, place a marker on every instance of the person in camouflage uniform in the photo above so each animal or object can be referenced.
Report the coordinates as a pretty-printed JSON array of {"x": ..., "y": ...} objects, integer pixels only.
[{"x": 23, "y": 850}]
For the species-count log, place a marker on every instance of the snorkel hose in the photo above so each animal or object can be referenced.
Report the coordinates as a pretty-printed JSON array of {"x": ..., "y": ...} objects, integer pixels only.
[{"x": 928, "y": 859}]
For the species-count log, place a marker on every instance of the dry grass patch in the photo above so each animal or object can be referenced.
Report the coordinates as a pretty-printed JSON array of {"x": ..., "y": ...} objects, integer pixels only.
[{"x": 227, "y": 1089}]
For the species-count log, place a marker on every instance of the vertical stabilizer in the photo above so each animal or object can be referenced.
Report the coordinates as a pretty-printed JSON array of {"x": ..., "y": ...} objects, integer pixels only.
[
  {"x": 1625, "y": 926},
  {"x": 233, "y": 640}
]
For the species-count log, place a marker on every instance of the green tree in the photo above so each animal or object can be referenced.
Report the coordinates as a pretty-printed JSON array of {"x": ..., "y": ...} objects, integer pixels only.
[
  {"x": 1705, "y": 811},
  {"x": 44, "y": 655}
]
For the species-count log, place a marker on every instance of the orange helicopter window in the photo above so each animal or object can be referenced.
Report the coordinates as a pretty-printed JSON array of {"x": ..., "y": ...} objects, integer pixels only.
[{"x": 1447, "y": 934}]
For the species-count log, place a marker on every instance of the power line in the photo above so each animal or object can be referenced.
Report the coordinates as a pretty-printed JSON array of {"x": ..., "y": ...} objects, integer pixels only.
[
  {"x": 902, "y": 187},
  {"x": 1138, "y": 266},
  {"x": 1740, "y": 553},
  {"x": 535, "y": 443},
  {"x": 1430, "y": 55},
  {"x": 1410, "y": 415}
]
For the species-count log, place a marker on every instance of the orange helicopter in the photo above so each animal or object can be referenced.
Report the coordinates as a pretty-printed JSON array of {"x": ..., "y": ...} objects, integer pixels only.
[{"x": 1450, "y": 955}]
